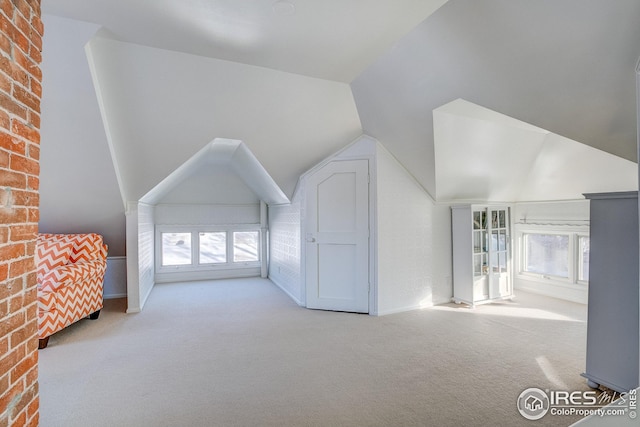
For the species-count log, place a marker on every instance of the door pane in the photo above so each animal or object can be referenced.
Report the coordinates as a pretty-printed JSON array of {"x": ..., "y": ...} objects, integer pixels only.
[
  {"x": 494, "y": 240},
  {"x": 176, "y": 248},
  {"x": 478, "y": 244},
  {"x": 213, "y": 247},
  {"x": 245, "y": 246},
  {"x": 476, "y": 220},
  {"x": 503, "y": 262}
]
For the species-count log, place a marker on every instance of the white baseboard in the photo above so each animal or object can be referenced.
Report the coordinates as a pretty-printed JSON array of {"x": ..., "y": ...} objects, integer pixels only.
[
  {"x": 114, "y": 296},
  {"x": 397, "y": 310},
  {"x": 275, "y": 282}
]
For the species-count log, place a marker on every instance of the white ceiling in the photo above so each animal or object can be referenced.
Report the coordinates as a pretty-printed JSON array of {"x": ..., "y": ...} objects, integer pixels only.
[
  {"x": 329, "y": 39},
  {"x": 171, "y": 75},
  {"x": 483, "y": 155},
  {"x": 566, "y": 66},
  {"x": 161, "y": 107},
  {"x": 223, "y": 171}
]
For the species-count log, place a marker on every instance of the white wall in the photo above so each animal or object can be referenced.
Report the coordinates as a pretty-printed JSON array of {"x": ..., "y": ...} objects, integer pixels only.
[
  {"x": 405, "y": 215},
  {"x": 78, "y": 187},
  {"x": 146, "y": 240},
  {"x": 202, "y": 214},
  {"x": 211, "y": 186},
  {"x": 115, "y": 278},
  {"x": 442, "y": 261},
  {"x": 285, "y": 257},
  {"x": 140, "y": 258}
]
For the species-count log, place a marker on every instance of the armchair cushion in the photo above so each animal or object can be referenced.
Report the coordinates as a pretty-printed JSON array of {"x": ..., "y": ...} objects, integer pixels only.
[
  {"x": 70, "y": 274},
  {"x": 51, "y": 254}
]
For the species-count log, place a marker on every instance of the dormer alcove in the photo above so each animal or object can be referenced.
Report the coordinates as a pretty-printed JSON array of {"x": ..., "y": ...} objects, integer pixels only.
[{"x": 205, "y": 220}]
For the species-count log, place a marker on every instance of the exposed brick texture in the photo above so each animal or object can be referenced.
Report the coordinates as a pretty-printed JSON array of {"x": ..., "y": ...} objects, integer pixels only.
[{"x": 21, "y": 32}]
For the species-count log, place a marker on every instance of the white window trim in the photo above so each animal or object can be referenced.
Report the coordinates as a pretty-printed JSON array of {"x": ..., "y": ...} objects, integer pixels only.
[
  {"x": 195, "y": 231},
  {"x": 577, "y": 260},
  {"x": 574, "y": 232}
]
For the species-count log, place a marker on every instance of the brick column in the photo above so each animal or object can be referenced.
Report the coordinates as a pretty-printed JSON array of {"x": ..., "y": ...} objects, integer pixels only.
[{"x": 21, "y": 33}]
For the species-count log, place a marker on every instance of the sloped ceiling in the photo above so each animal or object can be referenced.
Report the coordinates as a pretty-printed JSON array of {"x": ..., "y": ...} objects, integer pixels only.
[
  {"x": 160, "y": 107},
  {"x": 328, "y": 39},
  {"x": 245, "y": 180},
  {"x": 564, "y": 66},
  {"x": 486, "y": 156}
]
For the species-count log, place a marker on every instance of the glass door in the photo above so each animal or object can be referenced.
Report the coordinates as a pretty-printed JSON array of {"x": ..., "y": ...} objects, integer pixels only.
[
  {"x": 480, "y": 254},
  {"x": 499, "y": 253}
]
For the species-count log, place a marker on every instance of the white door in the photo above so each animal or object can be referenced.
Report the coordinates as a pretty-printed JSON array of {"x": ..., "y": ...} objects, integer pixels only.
[{"x": 337, "y": 237}]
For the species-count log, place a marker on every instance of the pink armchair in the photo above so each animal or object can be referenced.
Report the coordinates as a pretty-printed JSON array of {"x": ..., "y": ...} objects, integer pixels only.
[{"x": 70, "y": 271}]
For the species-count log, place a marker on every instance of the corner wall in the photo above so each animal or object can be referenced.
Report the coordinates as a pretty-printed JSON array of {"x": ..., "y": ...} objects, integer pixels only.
[
  {"x": 285, "y": 257},
  {"x": 140, "y": 254},
  {"x": 405, "y": 233},
  {"x": 21, "y": 33}
]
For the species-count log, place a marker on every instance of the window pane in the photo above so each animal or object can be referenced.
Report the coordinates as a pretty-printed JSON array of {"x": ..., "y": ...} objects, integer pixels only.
[
  {"x": 584, "y": 258},
  {"x": 213, "y": 247},
  {"x": 547, "y": 254},
  {"x": 176, "y": 248},
  {"x": 245, "y": 246}
]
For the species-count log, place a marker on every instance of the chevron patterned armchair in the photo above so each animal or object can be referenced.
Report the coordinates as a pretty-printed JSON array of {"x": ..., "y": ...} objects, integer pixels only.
[{"x": 70, "y": 271}]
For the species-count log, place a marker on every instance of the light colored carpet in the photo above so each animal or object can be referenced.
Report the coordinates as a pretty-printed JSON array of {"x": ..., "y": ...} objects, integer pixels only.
[{"x": 241, "y": 353}]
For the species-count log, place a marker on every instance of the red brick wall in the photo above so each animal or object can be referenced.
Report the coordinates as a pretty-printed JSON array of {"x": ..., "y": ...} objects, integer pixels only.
[{"x": 21, "y": 33}]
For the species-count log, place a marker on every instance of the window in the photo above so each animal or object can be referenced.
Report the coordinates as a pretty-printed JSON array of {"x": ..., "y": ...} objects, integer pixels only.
[
  {"x": 205, "y": 248},
  {"x": 213, "y": 247},
  {"x": 176, "y": 249},
  {"x": 245, "y": 246},
  {"x": 559, "y": 256},
  {"x": 547, "y": 254}
]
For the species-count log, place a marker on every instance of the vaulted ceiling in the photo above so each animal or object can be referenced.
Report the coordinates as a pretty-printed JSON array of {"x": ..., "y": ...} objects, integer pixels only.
[
  {"x": 327, "y": 39},
  {"x": 566, "y": 66},
  {"x": 296, "y": 80}
]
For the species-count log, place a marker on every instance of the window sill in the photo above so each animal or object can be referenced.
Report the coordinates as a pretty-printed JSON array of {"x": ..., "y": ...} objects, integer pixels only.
[
  {"x": 557, "y": 289},
  {"x": 551, "y": 280},
  {"x": 209, "y": 274}
]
